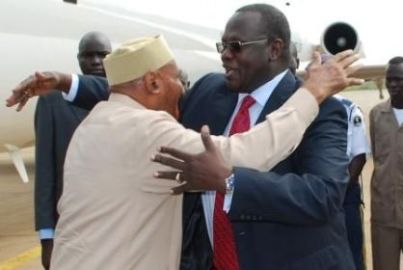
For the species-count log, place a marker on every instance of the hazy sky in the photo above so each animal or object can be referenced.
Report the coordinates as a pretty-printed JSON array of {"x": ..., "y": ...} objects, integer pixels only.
[{"x": 376, "y": 21}]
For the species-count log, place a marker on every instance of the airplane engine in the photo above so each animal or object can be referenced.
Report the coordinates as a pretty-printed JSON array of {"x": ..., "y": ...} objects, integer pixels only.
[
  {"x": 335, "y": 38},
  {"x": 338, "y": 37}
]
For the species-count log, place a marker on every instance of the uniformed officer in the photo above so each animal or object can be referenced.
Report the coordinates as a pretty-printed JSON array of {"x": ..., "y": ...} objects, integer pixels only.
[{"x": 357, "y": 149}]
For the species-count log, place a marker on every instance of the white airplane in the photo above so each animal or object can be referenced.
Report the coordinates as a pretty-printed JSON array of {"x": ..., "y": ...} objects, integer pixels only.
[{"x": 44, "y": 34}]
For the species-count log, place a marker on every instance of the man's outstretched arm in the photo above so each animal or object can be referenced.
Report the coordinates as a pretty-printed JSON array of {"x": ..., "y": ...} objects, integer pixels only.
[
  {"x": 82, "y": 90},
  {"x": 41, "y": 83}
]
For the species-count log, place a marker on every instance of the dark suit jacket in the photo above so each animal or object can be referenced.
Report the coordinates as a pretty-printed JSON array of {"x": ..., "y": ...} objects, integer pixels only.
[
  {"x": 91, "y": 90},
  {"x": 55, "y": 122},
  {"x": 290, "y": 217}
]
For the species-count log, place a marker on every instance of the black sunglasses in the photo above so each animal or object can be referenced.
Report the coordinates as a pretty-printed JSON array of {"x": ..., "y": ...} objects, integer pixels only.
[{"x": 236, "y": 46}]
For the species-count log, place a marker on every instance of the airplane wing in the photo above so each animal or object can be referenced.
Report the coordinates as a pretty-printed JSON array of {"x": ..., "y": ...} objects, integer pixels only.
[{"x": 367, "y": 72}]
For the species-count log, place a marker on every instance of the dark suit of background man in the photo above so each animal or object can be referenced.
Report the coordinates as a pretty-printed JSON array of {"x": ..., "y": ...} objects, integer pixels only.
[
  {"x": 290, "y": 217},
  {"x": 55, "y": 122}
]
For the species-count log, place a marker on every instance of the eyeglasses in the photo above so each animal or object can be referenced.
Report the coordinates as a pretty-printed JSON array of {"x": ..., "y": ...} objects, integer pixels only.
[{"x": 236, "y": 46}]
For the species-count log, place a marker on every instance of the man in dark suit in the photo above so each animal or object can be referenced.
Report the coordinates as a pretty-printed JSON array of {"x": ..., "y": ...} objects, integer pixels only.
[
  {"x": 55, "y": 122},
  {"x": 290, "y": 217}
]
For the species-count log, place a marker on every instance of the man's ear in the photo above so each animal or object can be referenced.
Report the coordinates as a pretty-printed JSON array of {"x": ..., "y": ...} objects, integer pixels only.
[
  {"x": 152, "y": 82},
  {"x": 276, "y": 48}
]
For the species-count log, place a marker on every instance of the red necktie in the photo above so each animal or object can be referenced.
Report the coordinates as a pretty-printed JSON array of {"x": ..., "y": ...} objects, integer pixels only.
[{"x": 225, "y": 255}]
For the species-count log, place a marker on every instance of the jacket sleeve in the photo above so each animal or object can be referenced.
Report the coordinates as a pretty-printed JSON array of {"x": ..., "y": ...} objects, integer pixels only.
[
  {"x": 312, "y": 192},
  {"x": 263, "y": 146},
  {"x": 45, "y": 166},
  {"x": 91, "y": 90}
]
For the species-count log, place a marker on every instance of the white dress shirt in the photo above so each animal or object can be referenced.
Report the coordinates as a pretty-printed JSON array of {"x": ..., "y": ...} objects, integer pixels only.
[
  {"x": 399, "y": 115},
  {"x": 261, "y": 96}
]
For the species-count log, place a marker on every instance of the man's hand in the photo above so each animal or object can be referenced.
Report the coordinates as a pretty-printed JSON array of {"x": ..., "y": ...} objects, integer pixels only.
[
  {"x": 331, "y": 77},
  {"x": 37, "y": 84},
  {"x": 203, "y": 171},
  {"x": 47, "y": 247}
]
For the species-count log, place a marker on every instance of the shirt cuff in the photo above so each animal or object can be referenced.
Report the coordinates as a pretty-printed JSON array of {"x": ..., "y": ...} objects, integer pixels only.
[
  {"x": 46, "y": 233},
  {"x": 71, "y": 95}
]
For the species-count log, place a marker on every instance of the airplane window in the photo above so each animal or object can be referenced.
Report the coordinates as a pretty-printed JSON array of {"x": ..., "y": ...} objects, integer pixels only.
[{"x": 70, "y": 1}]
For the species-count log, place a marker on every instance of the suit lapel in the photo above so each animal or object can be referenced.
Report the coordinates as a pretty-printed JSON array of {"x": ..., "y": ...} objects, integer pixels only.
[
  {"x": 222, "y": 108},
  {"x": 281, "y": 93}
]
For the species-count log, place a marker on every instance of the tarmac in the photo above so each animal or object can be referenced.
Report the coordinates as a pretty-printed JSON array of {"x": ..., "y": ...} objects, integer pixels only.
[{"x": 19, "y": 245}]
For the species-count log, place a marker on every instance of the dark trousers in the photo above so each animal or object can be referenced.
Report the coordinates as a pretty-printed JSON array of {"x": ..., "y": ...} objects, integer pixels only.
[{"x": 352, "y": 209}]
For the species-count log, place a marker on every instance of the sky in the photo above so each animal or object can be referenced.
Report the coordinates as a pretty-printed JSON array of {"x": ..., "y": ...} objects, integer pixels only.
[{"x": 375, "y": 21}]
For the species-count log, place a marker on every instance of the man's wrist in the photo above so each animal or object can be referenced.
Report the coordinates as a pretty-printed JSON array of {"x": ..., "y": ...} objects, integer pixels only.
[
  {"x": 229, "y": 184},
  {"x": 317, "y": 94},
  {"x": 229, "y": 192},
  {"x": 64, "y": 81},
  {"x": 47, "y": 241},
  {"x": 223, "y": 176}
]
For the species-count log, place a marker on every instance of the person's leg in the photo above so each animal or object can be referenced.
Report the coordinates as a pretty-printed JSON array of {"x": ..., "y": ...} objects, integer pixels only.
[
  {"x": 354, "y": 233},
  {"x": 352, "y": 209},
  {"x": 385, "y": 248}
]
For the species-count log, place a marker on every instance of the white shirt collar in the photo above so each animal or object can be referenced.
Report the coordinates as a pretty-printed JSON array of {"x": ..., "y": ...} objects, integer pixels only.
[{"x": 263, "y": 93}]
